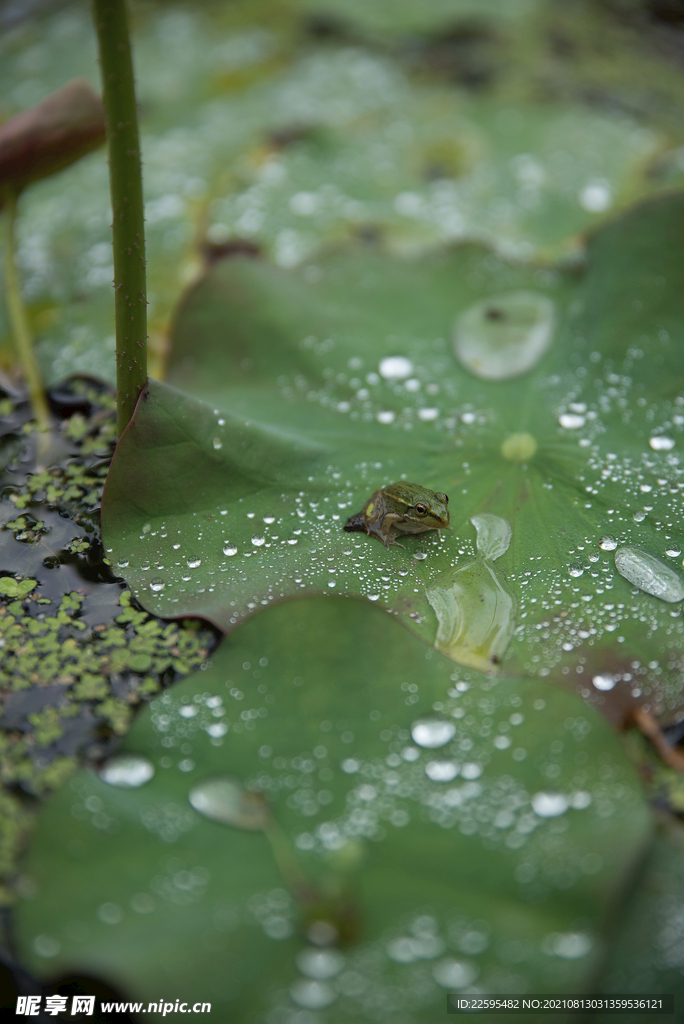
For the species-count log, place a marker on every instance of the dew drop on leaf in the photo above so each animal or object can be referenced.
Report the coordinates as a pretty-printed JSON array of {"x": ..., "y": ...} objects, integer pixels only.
[
  {"x": 604, "y": 681},
  {"x": 320, "y": 963},
  {"x": 224, "y": 799},
  {"x": 661, "y": 443},
  {"x": 454, "y": 974},
  {"x": 128, "y": 771},
  {"x": 395, "y": 367},
  {"x": 649, "y": 573},
  {"x": 432, "y": 732},
  {"x": 441, "y": 771},
  {"x": 549, "y": 805},
  {"x": 504, "y": 335}
]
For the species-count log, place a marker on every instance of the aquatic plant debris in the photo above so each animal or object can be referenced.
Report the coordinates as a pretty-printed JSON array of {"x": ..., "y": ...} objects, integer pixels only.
[
  {"x": 78, "y": 655},
  {"x": 474, "y": 605}
]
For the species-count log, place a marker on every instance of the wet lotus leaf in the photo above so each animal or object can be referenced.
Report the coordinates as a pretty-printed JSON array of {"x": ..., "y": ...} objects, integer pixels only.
[
  {"x": 250, "y": 132},
  {"x": 434, "y": 828},
  {"x": 313, "y": 389}
]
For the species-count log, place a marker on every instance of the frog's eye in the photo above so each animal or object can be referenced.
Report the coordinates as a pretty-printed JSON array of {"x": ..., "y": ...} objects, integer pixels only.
[
  {"x": 421, "y": 510},
  {"x": 443, "y": 497}
]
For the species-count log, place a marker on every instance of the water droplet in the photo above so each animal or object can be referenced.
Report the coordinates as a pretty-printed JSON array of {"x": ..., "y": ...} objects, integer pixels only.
[
  {"x": 571, "y": 945},
  {"x": 157, "y": 584},
  {"x": 604, "y": 681},
  {"x": 673, "y": 551},
  {"x": 661, "y": 443},
  {"x": 193, "y": 562},
  {"x": 432, "y": 732},
  {"x": 46, "y": 946},
  {"x": 224, "y": 799},
  {"x": 649, "y": 573},
  {"x": 428, "y": 414},
  {"x": 269, "y": 519},
  {"x": 571, "y": 420},
  {"x": 217, "y": 443},
  {"x": 395, "y": 367},
  {"x": 639, "y": 516},
  {"x": 312, "y": 995},
  {"x": 504, "y": 335},
  {"x": 320, "y": 963},
  {"x": 258, "y": 540},
  {"x": 471, "y": 770},
  {"x": 230, "y": 549},
  {"x": 549, "y": 805},
  {"x": 386, "y": 416},
  {"x": 596, "y": 196},
  {"x": 576, "y": 570},
  {"x": 110, "y": 913},
  {"x": 122, "y": 563},
  {"x": 128, "y": 771},
  {"x": 607, "y": 543},
  {"x": 454, "y": 974},
  {"x": 441, "y": 771},
  {"x": 519, "y": 447}
]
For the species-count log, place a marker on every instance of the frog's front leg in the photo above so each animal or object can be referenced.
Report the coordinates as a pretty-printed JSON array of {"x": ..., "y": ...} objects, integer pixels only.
[{"x": 385, "y": 532}]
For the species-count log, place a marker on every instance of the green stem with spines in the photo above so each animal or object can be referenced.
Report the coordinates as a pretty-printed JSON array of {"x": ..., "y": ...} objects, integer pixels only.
[{"x": 125, "y": 180}]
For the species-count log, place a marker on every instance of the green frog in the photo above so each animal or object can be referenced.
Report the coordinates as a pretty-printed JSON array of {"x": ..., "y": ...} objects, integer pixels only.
[{"x": 399, "y": 508}]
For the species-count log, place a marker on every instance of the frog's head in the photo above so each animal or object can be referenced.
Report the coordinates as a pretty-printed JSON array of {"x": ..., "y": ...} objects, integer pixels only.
[{"x": 429, "y": 508}]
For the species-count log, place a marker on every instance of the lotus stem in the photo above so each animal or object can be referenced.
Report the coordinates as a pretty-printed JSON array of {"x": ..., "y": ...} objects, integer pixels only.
[
  {"x": 18, "y": 318},
  {"x": 125, "y": 180}
]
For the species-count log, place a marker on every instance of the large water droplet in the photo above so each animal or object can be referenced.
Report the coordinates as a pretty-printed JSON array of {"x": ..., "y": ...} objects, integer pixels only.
[
  {"x": 225, "y": 800},
  {"x": 395, "y": 367},
  {"x": 193, "y": 562},
  {"x": 127, "y": 771},
  {"x": 505, "y": 335},
  {"x": 230, "y": 549},
  {"x": 549, "y": 805},
  {"x": 604, "y": 681},
  {"x": 571, "y": 945},
  {"x": 432, "y": 732},
  {"x": 607, "y": 543},
  {"x": 571, "y": 420},
  {"x": 661, "y": 443},
  {"x": 320, "y": 963},
  {"x": 441, "y": 771},
  {"x": 454, "y": 974},
  {"x": 157, "y": 584},
  {"x": 312, "y": 995},
  {"x": 258, "y": 540},
  {"x": 649, "y": 573},
  {"x": 217, "y": 443}
]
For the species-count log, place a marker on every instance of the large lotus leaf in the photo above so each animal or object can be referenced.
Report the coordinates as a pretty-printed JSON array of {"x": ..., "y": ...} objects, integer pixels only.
[
  {"x": 496, "y": 852},
  {"x": 247, "y": 134},
  {"x": 327, "y": 382}
]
